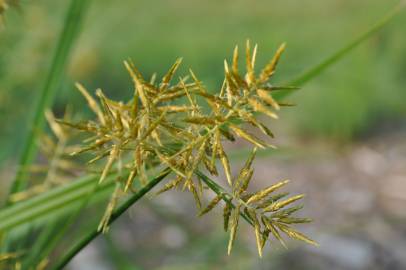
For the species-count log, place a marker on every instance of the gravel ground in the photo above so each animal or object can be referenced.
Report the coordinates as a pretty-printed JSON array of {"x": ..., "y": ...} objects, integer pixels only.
[{"x": 355, "y": 193}]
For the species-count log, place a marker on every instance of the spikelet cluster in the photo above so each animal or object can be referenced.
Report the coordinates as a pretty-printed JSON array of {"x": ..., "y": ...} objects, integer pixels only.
[
  {"x": 167, "y": 123},
  {"x": 268, "y": 212}
]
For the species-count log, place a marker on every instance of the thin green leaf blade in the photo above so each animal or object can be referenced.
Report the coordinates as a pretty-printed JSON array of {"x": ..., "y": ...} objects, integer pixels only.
[{"x": 316, "y": 70}]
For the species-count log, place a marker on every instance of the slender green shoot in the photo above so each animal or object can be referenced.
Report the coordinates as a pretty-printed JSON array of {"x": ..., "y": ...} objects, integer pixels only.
[
  {"x": 53, "y": 80},
  {"x": 316, "y": 70}
]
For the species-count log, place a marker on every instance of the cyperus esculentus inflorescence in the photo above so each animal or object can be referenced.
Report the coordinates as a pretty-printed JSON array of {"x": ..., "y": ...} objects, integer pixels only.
[{"x": 179, "y": 124}]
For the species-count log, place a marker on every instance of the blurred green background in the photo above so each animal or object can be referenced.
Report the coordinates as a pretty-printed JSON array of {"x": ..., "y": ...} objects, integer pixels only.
[{"x": 362, "y": 99}]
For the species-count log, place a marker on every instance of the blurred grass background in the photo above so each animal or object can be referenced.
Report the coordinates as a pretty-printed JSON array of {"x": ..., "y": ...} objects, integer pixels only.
[
  {"x": 356, "y": 96},
  {"x": 360, "y": 97}
]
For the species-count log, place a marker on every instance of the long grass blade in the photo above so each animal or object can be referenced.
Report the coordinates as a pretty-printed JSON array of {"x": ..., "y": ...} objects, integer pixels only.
[
  {"x": 52, "y": 82},
  {"x": 52, "y": 204},
  {"x": 316, "y": 70}
]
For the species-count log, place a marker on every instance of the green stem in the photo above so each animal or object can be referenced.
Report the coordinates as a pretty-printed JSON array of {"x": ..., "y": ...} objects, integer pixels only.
[
  {"x": 116, "y": 214},
  {"x": 219, "y": 190},
  {"x": 52, "y": 82},
  {"x": 57, "y": 236}
]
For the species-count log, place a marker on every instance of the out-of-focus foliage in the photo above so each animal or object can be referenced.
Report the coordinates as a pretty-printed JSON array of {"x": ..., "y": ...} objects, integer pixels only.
[{"x": 358, "y": 93}]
